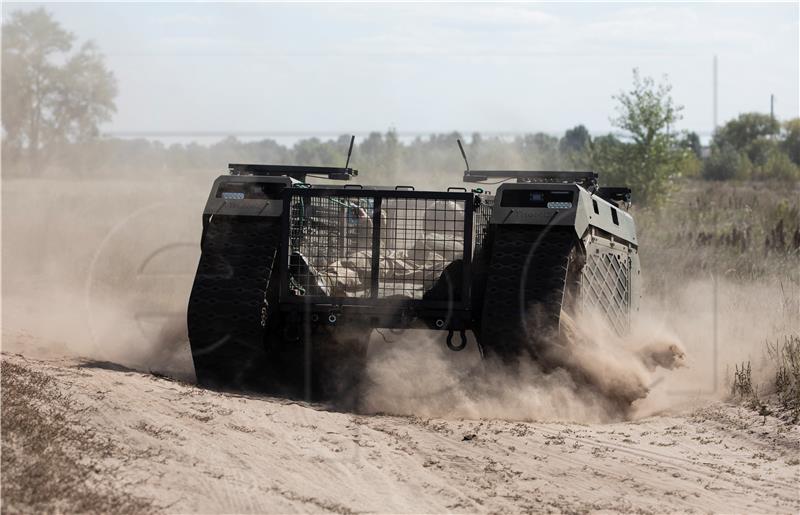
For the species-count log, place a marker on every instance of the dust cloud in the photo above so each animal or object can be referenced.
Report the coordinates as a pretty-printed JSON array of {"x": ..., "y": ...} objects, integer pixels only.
[
  {"x": 101, "y": 269},
  {"x": 588, "y": 374},
  {"x": 670, "y": 360}
]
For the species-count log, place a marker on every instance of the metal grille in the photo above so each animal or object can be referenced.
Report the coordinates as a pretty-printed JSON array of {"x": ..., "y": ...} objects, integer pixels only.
[
  {"x": 419, "y": 239},
  {"x": 606, "y": 286},
  {"x": 374, "y": 244},
  {"x": 483, "y": 214},
  {"x": 331, "y": 234}
]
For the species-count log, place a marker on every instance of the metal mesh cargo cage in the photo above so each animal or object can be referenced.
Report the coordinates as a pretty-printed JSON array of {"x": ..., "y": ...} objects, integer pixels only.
[{"x": 359, "y": 246}]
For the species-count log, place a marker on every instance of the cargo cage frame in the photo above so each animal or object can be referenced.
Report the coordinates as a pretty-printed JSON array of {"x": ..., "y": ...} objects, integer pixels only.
[{"x": 391, "y": 311}]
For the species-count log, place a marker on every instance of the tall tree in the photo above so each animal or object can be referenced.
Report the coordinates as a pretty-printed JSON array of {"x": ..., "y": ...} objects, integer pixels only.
[
  {"x": 575, "y": 147},
  {"x": 49, "y": 95},
  {"x": 748, "y": 133},
  {"x": 576, "y": 139},
  {"x": 650, "y": 155}
]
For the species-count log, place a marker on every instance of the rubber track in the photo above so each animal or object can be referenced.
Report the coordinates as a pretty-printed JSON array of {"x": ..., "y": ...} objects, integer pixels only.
[
  {"x": 230, "y": 297},
  {"x": 522, "y": 304}
]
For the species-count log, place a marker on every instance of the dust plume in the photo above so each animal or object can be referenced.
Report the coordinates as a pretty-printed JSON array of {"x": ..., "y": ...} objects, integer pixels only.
[
  {"x": 101, "y": 269},
  {"x": 669, "y": 360},
  {"x": 587, "y": 375}
]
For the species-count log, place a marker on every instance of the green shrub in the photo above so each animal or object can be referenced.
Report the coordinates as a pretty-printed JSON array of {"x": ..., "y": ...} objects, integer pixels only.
[
  {"x": 690, "y": 167},
  {"x": 791, "y": 140},
  {"x": 779, "y": 167},
  {"x": 723, "y": 164}
]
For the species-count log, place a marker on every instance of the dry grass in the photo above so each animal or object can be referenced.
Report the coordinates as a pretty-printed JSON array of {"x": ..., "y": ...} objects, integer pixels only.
[
  {"x": 780, "y": 395},
  {"x": 48, "y": 463},
  {"x": 742, "y": 385},
  {"x": 742, "y": 389},
  {"x": 744, "y": 231},
  {"x": 786, "y": 358}
]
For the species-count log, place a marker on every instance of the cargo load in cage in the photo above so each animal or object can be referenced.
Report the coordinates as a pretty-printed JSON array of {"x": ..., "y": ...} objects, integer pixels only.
[{"x": 375, "y": 244}]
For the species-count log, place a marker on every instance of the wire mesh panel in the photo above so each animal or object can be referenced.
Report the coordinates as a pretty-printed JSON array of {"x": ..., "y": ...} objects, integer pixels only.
[
  {"x": 419, "y": 239},
  {"x": 606, "y": 286},
  {"x": 330, "y": 244},
  {"x": 376, "y": 244},
  {"x": 483, "y": 214}
]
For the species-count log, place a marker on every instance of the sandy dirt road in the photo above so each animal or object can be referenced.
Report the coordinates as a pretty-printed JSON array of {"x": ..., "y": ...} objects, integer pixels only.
[{"x": 184, "y": 449}]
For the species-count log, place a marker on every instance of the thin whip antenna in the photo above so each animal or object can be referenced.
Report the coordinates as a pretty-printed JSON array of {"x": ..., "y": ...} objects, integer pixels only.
[
  {"x": 350, "y": 150},
  {"x": 463, "y": 154}
]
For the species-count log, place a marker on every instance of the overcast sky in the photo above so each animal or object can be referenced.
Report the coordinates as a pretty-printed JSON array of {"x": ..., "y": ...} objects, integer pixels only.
[{"x": 337, "y": 68}]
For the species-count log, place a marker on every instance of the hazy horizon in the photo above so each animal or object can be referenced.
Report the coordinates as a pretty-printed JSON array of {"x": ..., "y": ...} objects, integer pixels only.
[{"x": 203, "y": 71}]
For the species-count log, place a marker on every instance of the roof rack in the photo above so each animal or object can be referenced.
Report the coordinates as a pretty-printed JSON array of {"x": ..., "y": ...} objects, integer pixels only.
[
  {"x": 586, "y": 179},
  {"x": 295, "y": 172}
]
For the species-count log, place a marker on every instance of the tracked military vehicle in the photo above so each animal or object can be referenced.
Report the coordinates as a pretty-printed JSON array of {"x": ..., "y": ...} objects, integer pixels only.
[{"x": 293, "y": 276}]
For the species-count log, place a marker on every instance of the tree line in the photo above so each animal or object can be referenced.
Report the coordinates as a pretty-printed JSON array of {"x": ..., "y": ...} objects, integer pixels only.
[{"x": 55, "y": 96}]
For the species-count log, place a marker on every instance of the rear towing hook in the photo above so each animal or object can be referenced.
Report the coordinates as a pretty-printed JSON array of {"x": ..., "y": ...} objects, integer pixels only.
[{"x": 463, "y": 344}]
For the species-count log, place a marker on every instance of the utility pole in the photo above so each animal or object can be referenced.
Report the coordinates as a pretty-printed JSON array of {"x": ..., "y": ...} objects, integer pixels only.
[
  {"x": 715, "y": 92},
  {"x": 772, "y": 106},
  {"x": 772, "y": 112},
  {"x": 715, "y": 281}
]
